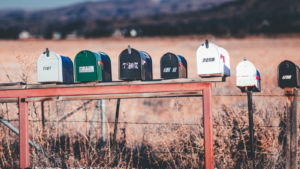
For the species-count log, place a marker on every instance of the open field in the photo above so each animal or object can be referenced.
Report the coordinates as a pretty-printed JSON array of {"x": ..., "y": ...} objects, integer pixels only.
[{"x": 152, "y": 145}]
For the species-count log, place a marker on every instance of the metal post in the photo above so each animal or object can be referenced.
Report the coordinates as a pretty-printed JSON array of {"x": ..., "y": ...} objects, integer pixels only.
[
  {"x": 95, "y": 116},
  {"x": 115, "y": 131},
  {"x": 43, "y": 123},
  {"x": 291, "y": 129},
  {"x": 250, "y": 112},
  {"x": 24, "y": 134},
  {"x": 208, "y": 128},
  {"x": 103, "y": 119}
]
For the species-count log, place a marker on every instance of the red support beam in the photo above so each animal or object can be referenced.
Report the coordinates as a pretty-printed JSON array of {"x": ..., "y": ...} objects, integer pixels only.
[
  {"x": 24, "y": 135},
  {"x": 208, "y": 128},
  {"x": 75, "y": 90}
]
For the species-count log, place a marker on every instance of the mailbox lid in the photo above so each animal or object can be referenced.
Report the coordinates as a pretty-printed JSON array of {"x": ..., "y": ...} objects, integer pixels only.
[
  {"x": 288, "y": 74},
  {"x": 106, "y": 67},
  {"x": 132, "y": 65},
  {"x": 246, "y": 74},
  {"x": 170, "y": 66},
  {"x": 88, "y": 66},
  {"x": 209, "y": 61},
  {"x": 49, "y": 68},
  {"x": 67, "y": 70},
  {"x": 149, "y": 71}
]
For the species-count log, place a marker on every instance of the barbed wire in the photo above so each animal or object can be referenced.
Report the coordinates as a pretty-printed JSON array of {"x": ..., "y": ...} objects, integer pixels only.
[{"x": 137, "y": 123}]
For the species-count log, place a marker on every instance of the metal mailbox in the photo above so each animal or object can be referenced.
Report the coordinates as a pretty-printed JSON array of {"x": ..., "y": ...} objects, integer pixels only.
[
  {"x": 212, "y": 61},
  {"x": 54, "y": 68},
  {"x": 88, "y": 66},
  {"x": 133, "y": 65},
  {"x": 247, "y": 76},
  {"x": 288, "y": 74},
  {"x": 106, "y": 67},
  {"x": 173, "y": 66}
]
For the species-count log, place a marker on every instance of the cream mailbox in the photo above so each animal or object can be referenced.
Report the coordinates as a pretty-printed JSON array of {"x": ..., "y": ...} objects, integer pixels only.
[
  {"x": 212, "y": 61},
  {"x": 247, "y": 76},
  {"x": 54, "y": 68}
]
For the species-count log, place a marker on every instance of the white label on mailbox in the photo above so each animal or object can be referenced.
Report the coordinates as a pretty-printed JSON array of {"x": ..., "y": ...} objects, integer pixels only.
[
  {"x": 167, "y": 69},
  {"x": 286, "y": 76},
  {"x": 174, "y": 69},
  {"x": 128, "y": 65},
  {"x": 86, "y": 69}
]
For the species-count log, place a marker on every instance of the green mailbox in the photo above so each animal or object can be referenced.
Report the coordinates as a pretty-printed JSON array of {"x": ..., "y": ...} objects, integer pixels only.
[{"x": 88, "y": 66}]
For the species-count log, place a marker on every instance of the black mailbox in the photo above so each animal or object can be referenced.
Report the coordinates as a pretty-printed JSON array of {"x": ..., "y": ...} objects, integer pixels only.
[
  {"x": 133, "y": 65},
  {"x": 106, "y": 67},
  {"x": 173, "y": 66},
  {"x": 288, "y": 74}
]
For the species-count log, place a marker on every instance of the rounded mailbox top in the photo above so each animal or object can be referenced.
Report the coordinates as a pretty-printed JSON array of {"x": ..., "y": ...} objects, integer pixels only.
[
  {"x": 245, "y": 69},
  {"x": 210, "y": 51}
]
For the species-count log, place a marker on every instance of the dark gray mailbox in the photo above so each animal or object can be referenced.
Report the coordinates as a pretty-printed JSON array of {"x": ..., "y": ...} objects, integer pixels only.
[
  {"x": 133, "y": 65},
  {"x": 288, "y": 74},
  {"x": 173, "y": 66},
  {"x": 106, "y": 67}
]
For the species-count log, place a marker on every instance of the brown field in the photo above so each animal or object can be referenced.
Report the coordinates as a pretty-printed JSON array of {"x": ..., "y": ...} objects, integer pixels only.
[{"x": 153, "y": 145}]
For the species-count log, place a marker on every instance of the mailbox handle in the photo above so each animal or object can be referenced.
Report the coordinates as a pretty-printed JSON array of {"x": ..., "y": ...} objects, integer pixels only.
[
  {"x": 206, "y": 43},
  {"x": 47, "y": 52},
  {"x": 129, "y": 49}
]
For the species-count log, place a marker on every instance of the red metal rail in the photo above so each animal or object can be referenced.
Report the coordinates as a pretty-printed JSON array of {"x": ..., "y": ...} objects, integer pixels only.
[{"x": 77, "y": 90}]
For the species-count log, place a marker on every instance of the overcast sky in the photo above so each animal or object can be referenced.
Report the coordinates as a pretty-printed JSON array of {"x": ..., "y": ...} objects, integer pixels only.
[{"x": 37, "y": 4}]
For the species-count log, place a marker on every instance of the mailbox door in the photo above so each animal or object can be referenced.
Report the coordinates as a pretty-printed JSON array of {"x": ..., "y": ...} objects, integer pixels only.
[
  {"x": 288, "y": 74},
  {"x": 130, "y": 65},
  {"x": 67, "y": 70},
  {"x": 88, "y": 66},
  {"x": 49, "y": 68},
  {"x": 208, "y": 61},
  {"x": 183, "y": 67},
  {"x": 149, "y": 71},
  {"x": 226, "y": 61},
  {"x": 106, "y": 72},
  {"x": 169, "y": 66}
]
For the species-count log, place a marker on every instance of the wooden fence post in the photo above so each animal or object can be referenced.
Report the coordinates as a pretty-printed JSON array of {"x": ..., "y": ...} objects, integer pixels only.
[
  {"x": 291, "y": 129},
  {"x": 24, "y": 134}
]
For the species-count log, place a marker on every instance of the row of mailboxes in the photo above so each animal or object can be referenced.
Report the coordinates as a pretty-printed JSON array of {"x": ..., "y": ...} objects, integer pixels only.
[
  {"x": 212, "y": 61},
  {"x": 248, "y": 77},
  {"x": 133, "y": 65}
]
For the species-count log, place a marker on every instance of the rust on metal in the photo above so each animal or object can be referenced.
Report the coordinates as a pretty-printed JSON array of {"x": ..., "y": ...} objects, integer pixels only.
[{"x": 208, "y": 127}]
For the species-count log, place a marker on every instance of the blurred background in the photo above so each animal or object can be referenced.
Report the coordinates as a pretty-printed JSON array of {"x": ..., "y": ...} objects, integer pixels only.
[
  {"x": 70, "y": 19},
  {"x": 158, "y": 132}
]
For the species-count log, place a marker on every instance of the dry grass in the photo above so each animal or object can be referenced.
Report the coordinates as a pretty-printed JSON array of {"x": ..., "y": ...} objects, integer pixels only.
[{"x": 178, "y": 142}]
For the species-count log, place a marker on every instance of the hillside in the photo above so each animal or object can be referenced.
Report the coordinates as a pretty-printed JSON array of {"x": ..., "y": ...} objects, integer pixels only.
[{"x": 160, "y": 17}]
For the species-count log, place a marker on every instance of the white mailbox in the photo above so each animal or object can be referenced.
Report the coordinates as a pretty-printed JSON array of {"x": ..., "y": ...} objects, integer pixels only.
[
  {"x": 54, "y": 68},
  {"x": 212, "y": 61},
  {"x": 247, "y": 76}
]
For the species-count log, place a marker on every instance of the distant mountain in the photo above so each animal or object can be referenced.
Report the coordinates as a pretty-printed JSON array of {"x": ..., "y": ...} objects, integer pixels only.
[{"x": 160, "y": 17}]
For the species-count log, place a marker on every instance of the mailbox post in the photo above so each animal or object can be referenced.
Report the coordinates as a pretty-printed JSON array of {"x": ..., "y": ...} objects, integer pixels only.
[
  {"x": 288, "y": 77},
  {"x": 248, "y": 80}
]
